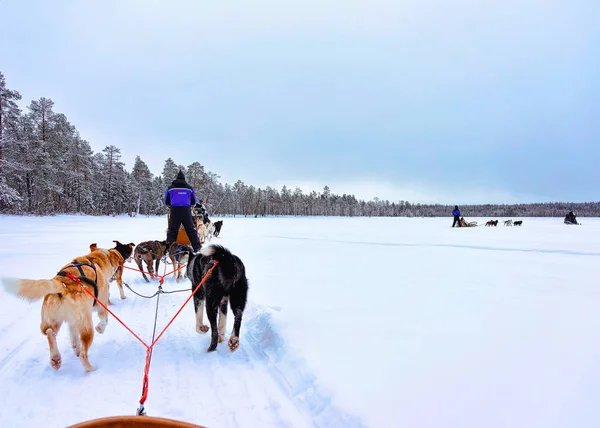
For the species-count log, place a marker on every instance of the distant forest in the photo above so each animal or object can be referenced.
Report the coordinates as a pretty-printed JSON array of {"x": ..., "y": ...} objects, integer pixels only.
[{"x": 47, "y": 168}]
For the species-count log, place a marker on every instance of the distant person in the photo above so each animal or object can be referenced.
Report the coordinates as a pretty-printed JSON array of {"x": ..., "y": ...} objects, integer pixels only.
[
  {"x": 570, "y": 218},
  {"x": 180, "y": 198},
  {"x": 456, "y": 214}
]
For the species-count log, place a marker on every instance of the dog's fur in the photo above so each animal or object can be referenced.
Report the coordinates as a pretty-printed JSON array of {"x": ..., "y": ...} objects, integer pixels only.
[
  {"x": 210, "y": 231},
  {"x": 149, "y": 251},
  {"x": 201, "y": 228},
  {"x": 179, "y": 255},
  {"x": 492, "y": 223},
  {"x": 126, "y": 251},
  {"x": 518, "y": 223},
  {"x": 227, "y": 283},
  {"x": 218, "y": 226},
  {"x": 508, "y": 223},
  {"x": 65, "y": 300}
]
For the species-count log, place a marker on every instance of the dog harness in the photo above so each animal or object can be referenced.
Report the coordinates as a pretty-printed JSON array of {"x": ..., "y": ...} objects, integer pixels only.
[
  {"x": 82, "y": 276},
  {"x": 146, "y": 248}
]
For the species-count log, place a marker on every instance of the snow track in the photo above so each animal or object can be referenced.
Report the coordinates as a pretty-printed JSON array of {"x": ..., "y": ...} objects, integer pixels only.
[{"x": 258, "y": 385}]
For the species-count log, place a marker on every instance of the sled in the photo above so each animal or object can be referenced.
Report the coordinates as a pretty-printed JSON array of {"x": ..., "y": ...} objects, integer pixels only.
[
  {"x": 134, "y": 422},
  {"x": 182, "y": 237},
  {"x": 463, "y": 223},
  {"x": 569, "y": 223}
]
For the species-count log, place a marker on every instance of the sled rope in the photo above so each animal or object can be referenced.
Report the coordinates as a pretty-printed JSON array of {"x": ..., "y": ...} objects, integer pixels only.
[
  {"x": 161, "y": 278},
  {"x": 160, "y": 291},
  {"x": 140, "y": 410},
  {"x": 77, "y": 280}
]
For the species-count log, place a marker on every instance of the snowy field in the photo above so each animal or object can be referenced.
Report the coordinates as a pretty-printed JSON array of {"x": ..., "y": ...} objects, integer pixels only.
[{"x": 351, "y": 322}]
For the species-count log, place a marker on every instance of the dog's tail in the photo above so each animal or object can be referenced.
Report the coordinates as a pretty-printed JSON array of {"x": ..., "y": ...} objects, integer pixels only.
[
  {"x": 31, "y": 289},
  {"x": 225, "y": 258}
]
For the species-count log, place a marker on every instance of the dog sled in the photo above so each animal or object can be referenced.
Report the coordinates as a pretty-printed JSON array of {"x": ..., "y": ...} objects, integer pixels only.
[
  {"x": 134, "y": 421},
  {"x": 463, "y": 223}
]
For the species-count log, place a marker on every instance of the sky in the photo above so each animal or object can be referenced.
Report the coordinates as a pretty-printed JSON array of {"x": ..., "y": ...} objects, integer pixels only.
[{"x": 468, "y": 101}]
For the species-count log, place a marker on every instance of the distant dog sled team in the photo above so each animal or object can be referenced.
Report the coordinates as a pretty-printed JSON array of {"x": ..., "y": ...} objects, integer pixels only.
[
  {"x": 73, "y": 294},
  {"x": 570, "y": 218}
]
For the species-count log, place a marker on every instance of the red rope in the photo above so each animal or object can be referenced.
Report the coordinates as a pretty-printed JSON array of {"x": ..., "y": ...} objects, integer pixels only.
[
  {"x": 148, "y": 348},
  {"x": 74, "y": 278},
  {"x": 154, "y": 274},
  {"x": 146, "y": 377},
  {"x": 187, "y": 300}
]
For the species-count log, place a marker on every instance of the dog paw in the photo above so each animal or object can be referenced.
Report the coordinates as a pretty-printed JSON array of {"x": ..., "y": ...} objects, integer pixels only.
[
  {"x": 212, "y": 348},
  {"x": 123, "y": 297},
  {"x": 76, "y": 350},
  {"x": 221, "y": 338},
  {"x": 55, "y": 362},
  {"x": 91, "y": 369},
  {"x": 100, "y": 328},
  {"x": 234, "y": 343},
  {"x": 202, "y": 329}
]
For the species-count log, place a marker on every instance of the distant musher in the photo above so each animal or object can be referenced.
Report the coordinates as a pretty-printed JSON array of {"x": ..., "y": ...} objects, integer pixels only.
[{"x": 456, "y": 214}]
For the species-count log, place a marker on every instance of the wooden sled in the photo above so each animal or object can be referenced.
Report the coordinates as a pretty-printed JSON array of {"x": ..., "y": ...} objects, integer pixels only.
[
  {"x": 134, "y": 422},
  {"x": 463, "y": 223}
]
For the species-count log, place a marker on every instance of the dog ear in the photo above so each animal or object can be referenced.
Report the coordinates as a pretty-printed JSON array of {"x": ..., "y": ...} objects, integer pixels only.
[
  {"x": 93, "y": 246},
  {"x": 117, "y": 256}
]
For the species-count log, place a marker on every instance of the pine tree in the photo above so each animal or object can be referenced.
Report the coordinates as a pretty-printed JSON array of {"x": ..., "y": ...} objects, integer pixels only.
[
  {"x": 142, "y": 183},
  {"x": 9, "y": 113},
  {"x": 114, "y": 181},
  {"x": 169, "y": 171}
]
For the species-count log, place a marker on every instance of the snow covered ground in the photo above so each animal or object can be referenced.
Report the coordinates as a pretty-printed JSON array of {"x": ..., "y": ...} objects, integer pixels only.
[{"x": 352, "y": 322}]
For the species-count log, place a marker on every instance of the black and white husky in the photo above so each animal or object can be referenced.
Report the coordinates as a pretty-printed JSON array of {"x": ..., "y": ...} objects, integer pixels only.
[{"x": 226, "y": 284}]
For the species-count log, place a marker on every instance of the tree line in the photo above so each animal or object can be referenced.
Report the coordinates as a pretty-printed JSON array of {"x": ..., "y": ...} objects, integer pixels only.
[{"x": 47, "y": 168}]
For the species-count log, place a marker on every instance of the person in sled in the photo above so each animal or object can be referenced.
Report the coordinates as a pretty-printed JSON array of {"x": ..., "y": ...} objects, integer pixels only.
[
  {"x": 570, "y": 218},
  {"x": 456, "y": 214},
  {"x": 180, "y": 198}
]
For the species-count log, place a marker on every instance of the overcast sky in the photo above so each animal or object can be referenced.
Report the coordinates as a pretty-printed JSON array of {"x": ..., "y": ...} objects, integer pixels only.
[{"x": 463, "y": 101}]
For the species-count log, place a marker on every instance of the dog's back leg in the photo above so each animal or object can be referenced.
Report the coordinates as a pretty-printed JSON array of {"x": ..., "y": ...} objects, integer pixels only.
[
  {"x": 50, "y": 326},
  {"x": 149, "y": 264},
  {"x": 223, "y": 318},
  {"x": 138, "y": 261},
  {"x": 199, "y": 300},
  {"x": 85, "y": 327},
  {"x": 238, "y": 304},
  {"x": 157, "y": 263},
  {"x": 212, "y": 309},
  {"x": 75, "y": 340}
]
